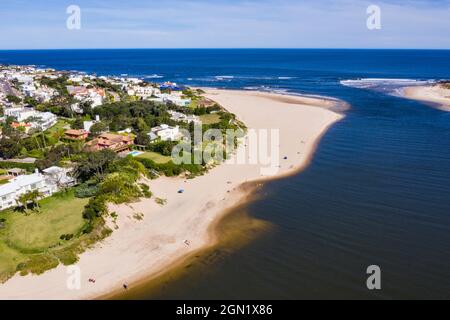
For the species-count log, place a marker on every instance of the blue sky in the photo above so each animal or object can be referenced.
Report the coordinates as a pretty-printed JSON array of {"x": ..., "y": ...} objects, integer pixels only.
[{"x": 41, "y": 24}]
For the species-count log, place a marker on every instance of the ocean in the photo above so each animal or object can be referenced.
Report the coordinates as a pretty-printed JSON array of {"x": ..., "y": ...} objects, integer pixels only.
[{"x": 376, "y": 193}]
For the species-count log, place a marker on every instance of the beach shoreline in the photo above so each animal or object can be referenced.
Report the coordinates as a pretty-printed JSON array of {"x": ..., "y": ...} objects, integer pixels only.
[
  {"x": 436, "y": 95},
  {"x": 141, "y": 250}
]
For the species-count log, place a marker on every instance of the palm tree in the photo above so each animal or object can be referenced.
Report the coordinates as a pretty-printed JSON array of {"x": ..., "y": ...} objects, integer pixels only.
[
  {"x": 30, "y": 197},
  {"x": 58, "y": 134},
  {"x": 23, "y": 201},
  {"x": 34, "y": 197}
]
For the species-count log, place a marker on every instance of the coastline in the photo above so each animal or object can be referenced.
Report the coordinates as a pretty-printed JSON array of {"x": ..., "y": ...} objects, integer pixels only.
[
  {"x": 436, "y": 95},
  {"x": 142, "y": 250}
]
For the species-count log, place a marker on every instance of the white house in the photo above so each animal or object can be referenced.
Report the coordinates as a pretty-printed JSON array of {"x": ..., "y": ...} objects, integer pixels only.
[
  {"x": 41, "y": 120},
  {"x": 174, "y": 98},
  {"x": 178, "y": 116},
  {"x": 88, "y": 124},
  {"x": 167, "y": 133},
  {"x": 152, "y": 136},
  {"x": 45, "y": 120},
  {"x": 93, "y": 95},
  {"x": 59, "y": 176},
  {"x": 95, "y": 98},
  {"x": 143, "y": 92},
  {"x": 29, "y": 89},
  {"x": 22, "y": 78},
  {"x": 20, "y": 114},
  {"x": 44, "y": 94},
  {"x": 76, "y": 78},
  {"x": 11, "y": 191},
  {"x": 179, "y": 101}
]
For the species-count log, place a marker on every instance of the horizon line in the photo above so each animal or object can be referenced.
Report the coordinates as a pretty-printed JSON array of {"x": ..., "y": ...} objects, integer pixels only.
[{"x": 223, "y": 48}]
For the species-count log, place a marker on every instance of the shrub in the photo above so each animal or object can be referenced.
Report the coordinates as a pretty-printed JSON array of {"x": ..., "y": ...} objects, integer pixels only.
[
  {"x": 11, "y": 164},
  {"x": 145, "y": 190},
  {"x": 95, "y": 208},
  {"x": 66, "y": 237},
  {"x": 86, "y": 191},
  {"x": 161, "y": 201},
  {"x": 119, "y": 187}
]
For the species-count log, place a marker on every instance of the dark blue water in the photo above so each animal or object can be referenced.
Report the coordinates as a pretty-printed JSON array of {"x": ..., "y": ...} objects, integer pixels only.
[{"x": 377, "y": 191}]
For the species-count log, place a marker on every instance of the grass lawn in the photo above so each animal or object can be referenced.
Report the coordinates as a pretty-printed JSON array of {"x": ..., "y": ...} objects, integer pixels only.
[
  {"x": 30, "y": 238},
  {"x": 210, "y": 118},
  {"x": 61, "y": 124},
  {"x": 158, "y": 158}
]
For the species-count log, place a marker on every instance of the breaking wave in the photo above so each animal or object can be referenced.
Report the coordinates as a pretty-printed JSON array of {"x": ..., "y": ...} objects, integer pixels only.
[
  {"x": 154, "y": 76},
  {"x": 379, "y": 83},
  {"x": 267, "y": 89}
]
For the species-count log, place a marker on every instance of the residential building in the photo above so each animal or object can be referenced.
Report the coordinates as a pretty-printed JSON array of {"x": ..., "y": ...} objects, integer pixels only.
[
  {"x": 15, "y": 172},
  {"x": 174, "y": 98},
  {"x": 59, "y": 176},
  {"x": 143, "y": 92},
  {"x": 152, "y": 136},
  {"x": 76, "y": 135},
  {"x": 25, "y": 125},
  {"x": 88, "y": 124},
  {"x": 178, "y": 101},
  {"x": 188, "y": 118},
  {"x": 38, "y": 120},
  {"x": 11, "y": 191},
  {"x": 20, "y": 114},
  {"x": 44, "y": 94},
  {"x": 93, "y": 95},
  {"x": 76, "y": 78},
  {"x": 44, "y": 121},
  {"x": 171, "y": 86},
  {"x": 116, "y": 142},
  {"x": 167, "y": 133}
]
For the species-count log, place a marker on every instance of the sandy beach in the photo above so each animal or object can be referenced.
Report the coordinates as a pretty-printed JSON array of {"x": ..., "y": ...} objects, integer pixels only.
[
  {"x": 139, "y": 250},
  {"x": 438, "y": 95}
]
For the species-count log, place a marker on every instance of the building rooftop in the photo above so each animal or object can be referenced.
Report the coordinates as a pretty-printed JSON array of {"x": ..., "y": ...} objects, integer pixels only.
[
  {"x": 76, "y": 132},
  {"x": 19, "y": 182},
  {"x": 53, "y": 169}
]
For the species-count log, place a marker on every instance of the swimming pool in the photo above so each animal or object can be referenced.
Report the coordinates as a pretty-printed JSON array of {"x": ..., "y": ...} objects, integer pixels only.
[{"x": 135, "y": 153}]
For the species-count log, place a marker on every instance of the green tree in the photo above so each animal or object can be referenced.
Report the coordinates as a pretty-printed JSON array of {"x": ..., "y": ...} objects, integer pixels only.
[
  {"x": 141, "y": 125},
  {"x": 9, "y": 147},
  {"x": 78, "y": 123},
  {"x": 13, "y": 99},
  {"x": 95, "y": 164},
  {"x": 34, "y": 197},
  {"x": 98, "y": 128},
  {"x": 142, "y": 139},
  {"x": 31, "y": 197},
  {"x": 23, "y": 201}
]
